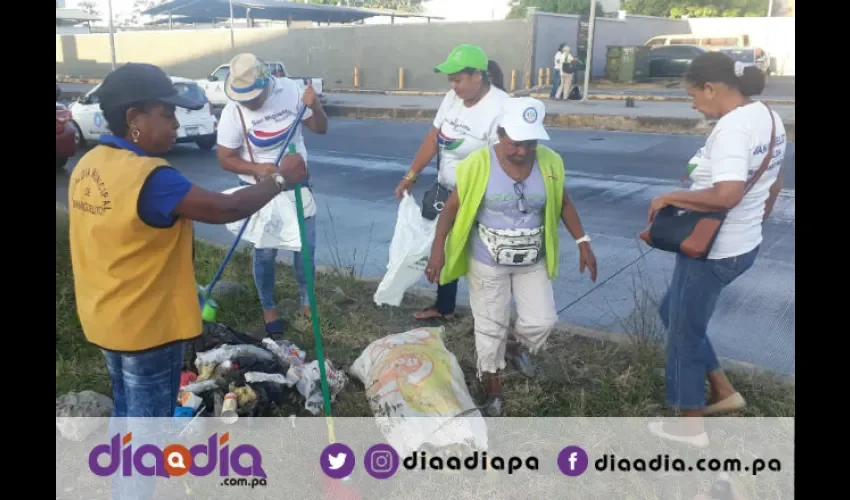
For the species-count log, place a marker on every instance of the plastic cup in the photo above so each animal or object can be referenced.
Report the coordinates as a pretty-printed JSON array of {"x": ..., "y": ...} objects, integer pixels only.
[{"x": 228, "y": 409}]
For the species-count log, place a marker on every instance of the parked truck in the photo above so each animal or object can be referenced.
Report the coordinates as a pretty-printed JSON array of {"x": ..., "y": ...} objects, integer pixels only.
[{"x": 213, "y": 84}]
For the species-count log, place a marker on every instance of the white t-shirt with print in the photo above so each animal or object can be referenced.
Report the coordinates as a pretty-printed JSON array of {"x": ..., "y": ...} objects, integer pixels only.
[
  {"x": 463, "y": 130},
  {"x": 734, "y": 152},
  {"x": 267, "y": 127},
  {"x": 559, "y": 60}
]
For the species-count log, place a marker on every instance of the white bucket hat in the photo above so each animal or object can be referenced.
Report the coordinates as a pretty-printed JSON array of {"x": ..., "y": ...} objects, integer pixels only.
[
  {"x": 247, "y": 79},
  {"x": 522, "y": 119}
]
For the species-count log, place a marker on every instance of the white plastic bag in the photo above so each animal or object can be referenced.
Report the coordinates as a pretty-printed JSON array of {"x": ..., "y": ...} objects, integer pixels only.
[
  {"x": 409, "y": 252},
  {"x": 276, "y": 224},
  {"x": 411, "y": 375}
]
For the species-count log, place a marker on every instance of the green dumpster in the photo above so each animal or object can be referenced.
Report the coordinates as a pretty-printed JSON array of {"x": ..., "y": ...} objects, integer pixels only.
[{"x": 627, "y": 63}]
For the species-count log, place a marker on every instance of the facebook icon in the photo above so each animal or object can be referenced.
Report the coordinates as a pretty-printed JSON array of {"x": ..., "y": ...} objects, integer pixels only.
[{"x": 572, "y": 461}]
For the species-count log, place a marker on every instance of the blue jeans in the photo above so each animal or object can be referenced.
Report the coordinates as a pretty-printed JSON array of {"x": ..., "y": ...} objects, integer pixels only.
[
  {"x": 144, "y": 391},
  {"x": 686, "y": 311},
  {"x": 265, "y": 260},
  {"x": 556, "y": 82},
  {"x": 264, "y": 268},
  {"x": 145, "y": 384}
]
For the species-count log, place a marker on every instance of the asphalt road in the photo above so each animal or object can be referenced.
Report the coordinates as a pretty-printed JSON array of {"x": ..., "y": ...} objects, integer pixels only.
[{"x": 611, "y": 176}]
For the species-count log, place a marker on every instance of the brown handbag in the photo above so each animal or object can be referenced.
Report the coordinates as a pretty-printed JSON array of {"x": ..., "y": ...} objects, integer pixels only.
[{"x": 692, "y": 233}]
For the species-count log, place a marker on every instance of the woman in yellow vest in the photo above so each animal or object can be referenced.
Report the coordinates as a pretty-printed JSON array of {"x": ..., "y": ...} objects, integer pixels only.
[
  {"x": 131, "y": 217},
  {"x": 499, "y": 228}
]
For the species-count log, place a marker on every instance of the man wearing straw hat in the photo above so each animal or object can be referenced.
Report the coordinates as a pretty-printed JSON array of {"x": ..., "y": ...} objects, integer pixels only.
[{"x": 252, "y": 129}]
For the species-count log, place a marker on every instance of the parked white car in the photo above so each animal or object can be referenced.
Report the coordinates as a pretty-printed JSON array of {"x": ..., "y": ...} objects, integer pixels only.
[
  {"x": 213, "y": 85},
  {"x": 198, "y": 126}
]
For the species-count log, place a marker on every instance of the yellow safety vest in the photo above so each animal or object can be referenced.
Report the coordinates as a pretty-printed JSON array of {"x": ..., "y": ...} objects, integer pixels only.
[{"x": 134, "y": 284}]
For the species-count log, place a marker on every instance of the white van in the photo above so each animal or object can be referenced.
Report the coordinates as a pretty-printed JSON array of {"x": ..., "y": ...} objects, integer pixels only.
[{"x": 710, "y": 42}]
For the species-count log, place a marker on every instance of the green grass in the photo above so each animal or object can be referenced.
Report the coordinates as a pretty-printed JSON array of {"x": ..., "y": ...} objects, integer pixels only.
[{"x": 580, "y": 376}]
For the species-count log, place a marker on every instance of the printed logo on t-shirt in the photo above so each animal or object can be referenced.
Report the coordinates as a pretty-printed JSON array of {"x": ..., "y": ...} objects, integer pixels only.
[
  {"x": 266, "y": 140},
  {"x": 448, "y": 143}
]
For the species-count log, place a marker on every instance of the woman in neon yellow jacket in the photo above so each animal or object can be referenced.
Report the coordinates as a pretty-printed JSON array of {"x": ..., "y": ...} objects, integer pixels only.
[{"x": 499, "y": 228}]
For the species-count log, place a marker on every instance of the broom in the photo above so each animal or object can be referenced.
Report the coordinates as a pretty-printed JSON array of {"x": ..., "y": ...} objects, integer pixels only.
[{"x": 333, "y": 489}]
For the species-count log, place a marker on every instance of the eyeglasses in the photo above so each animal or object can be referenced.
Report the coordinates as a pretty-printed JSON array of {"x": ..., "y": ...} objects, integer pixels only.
[{"x": 519, "y": 190}]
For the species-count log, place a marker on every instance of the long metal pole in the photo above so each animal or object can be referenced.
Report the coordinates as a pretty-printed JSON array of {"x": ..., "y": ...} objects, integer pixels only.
[
  {"x": 232, "y": 38},
  {"x": 111, "y": 37},
  {"x": 591, "y": 27}
]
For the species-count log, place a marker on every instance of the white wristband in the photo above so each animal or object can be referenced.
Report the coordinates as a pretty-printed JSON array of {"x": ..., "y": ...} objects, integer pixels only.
[{"x": 583, "y": 239}]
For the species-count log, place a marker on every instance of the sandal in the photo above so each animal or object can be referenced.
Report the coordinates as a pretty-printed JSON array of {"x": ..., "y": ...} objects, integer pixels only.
[
  {"x": 432, "y": 313},
  {"x": 276, "y": 327}
]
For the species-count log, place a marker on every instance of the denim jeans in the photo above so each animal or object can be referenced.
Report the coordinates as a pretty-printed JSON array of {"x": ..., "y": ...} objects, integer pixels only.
[
  {"x": 144, "y": 393},
  {"x": 145, "y": 384},
  {"x": 446, "y": 298},
  {"x": 556, "y": 82},
  {"x": 264, "y": 267},
  {"x": 686, "y": 311}
]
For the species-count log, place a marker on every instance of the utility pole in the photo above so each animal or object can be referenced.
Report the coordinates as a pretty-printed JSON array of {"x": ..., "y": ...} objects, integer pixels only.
[
  {"x": 111, "y": 36},
  {"x": 591, "y": 27},
  {"x": 232, "y": 38}
]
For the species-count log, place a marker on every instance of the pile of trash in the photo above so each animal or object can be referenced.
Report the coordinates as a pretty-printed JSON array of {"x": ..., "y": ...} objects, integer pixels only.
[{"x": 231, "y": 374}]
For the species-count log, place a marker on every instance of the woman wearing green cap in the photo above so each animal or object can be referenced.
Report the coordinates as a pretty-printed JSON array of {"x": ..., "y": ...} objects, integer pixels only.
[{"x": 465, "y": 122}]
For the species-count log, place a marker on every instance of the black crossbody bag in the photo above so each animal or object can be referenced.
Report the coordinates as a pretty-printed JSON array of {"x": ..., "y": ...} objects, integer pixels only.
[
  {"x": 692, "y": 233},
  {"x": 436, "y": 196}
]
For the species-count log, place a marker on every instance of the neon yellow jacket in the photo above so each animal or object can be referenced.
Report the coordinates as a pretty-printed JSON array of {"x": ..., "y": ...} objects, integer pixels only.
[{"x": 473, "y": 174}]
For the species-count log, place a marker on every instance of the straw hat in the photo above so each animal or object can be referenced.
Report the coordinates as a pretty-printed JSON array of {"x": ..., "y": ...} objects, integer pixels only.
[{"x": 247, "y": 79}]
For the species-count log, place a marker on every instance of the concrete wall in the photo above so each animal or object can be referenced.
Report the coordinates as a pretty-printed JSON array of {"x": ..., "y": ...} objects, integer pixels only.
[
  {"x": 328, "y": 52},
  {"x": 633, "y": 30},
  {"x": 551, "y": 30},
  {"x": 776, "y": 35}
]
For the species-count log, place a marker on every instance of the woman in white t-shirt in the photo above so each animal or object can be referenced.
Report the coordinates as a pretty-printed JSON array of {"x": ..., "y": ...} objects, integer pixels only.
[
  {"x": 556, "y": 71},
  {"x": 720, "y": 171},
  {"x": 466, "y": 121}
]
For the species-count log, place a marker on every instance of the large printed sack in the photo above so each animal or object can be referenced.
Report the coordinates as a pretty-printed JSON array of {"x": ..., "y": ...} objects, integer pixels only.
[
  {"x": 276, "y": 224},
  {"x": 412, "y": 375},
  {"x": 409, "y": 252}
]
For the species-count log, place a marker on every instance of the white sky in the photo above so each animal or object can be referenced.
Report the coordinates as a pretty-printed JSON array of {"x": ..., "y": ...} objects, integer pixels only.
[{"x": 451, "y": 10}]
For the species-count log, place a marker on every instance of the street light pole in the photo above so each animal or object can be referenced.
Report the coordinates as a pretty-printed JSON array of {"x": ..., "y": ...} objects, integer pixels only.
[
  {"x": 232, "y": 39},
  {"x": 111, "y": 37},
  {"x": 591, "y": 27}
]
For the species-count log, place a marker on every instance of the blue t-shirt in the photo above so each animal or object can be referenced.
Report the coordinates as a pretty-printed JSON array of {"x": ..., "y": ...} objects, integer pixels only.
[{"x": 162, "y": 191}]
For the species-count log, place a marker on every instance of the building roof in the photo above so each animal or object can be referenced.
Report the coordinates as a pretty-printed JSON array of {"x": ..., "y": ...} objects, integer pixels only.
[{"x": 277, "y": 10}]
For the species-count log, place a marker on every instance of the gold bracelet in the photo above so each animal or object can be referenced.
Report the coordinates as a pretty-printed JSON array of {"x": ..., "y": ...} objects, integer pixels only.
[{"x": 411, "y": 176}]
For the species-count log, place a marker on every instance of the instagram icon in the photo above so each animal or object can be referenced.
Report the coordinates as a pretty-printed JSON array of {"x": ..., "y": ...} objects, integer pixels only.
[{"x": 381, "y": 461}]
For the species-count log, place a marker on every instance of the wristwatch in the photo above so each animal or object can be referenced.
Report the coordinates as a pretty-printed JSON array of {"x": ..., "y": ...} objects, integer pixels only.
[
  {"x": 281, "y": 182},
  {"x": 583, "y": 239}
]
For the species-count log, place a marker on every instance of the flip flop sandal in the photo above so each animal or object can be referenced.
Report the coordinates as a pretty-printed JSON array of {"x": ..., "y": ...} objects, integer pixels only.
[
  {"x": 276, "y": 327},
  {"x": 432, "y": 313}
]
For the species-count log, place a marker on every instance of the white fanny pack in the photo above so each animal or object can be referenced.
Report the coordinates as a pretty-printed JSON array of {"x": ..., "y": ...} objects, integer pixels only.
[{"x": 512, "y": 247}]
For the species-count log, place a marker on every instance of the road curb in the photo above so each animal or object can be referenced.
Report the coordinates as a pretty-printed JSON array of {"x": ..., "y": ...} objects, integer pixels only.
[
  {"x": 611, "y": 95},
  {"x": 650, "y": 124},
  {"x": 620, "y": 123}
]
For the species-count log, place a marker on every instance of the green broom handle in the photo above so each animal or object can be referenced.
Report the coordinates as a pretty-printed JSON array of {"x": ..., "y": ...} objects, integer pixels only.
[{"x": 311, "y": 294}]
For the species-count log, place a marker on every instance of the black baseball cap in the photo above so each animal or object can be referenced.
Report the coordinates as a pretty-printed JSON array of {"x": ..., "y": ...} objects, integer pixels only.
[{"x": 136, "y": 82}]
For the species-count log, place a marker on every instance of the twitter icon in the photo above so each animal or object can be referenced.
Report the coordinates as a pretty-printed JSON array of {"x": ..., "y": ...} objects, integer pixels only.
[{"x": 337, "y": 461}]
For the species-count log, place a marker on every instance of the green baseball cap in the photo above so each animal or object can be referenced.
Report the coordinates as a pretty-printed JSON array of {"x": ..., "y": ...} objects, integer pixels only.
[{"x": 462, "y": 57}]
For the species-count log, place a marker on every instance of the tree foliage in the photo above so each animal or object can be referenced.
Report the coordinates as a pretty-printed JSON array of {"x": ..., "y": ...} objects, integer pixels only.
[
  {"x": 698, "y": 8},
  {"x": 400, "y": 5},
  {"x": 575, "y": 7}
]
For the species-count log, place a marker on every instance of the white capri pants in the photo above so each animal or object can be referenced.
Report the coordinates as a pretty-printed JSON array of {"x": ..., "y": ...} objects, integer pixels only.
[{"x": 490, "y": 292}]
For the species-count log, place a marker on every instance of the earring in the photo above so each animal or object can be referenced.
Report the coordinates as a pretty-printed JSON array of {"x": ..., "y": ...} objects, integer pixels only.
[{"x": 135, "y": 133}]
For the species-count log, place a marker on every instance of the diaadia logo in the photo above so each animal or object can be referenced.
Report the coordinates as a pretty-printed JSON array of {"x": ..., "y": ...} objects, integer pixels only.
[{"x": 175, "y": 459}]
